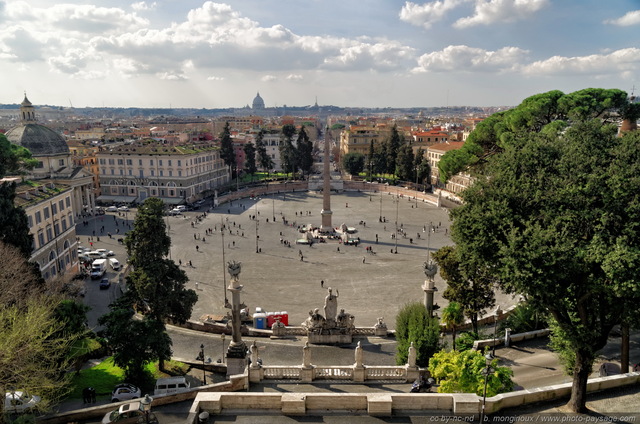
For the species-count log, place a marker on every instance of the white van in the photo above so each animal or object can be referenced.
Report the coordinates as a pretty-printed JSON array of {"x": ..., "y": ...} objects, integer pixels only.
[
  {"x": 171, "y": 385},
  {"x": 96, "y": 255},
  {"x": 115, "y": 264}
]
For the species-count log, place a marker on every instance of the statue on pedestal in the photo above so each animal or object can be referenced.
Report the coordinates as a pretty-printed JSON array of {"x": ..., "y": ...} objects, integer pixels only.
[{"x": 331, "y": 305}]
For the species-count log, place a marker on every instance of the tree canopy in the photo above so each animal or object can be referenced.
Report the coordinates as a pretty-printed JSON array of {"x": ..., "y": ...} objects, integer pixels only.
[
  {"x": 413, "y": 325},
  {"x": 353, "y": 163},
  {"x": 14, "y": 225},
  {"x": 227, "y": 153},
  {"x": 547, "y": 112},
  {"x": 156, "y": 286},
  {"x": 555, "y": 219},
  {"x": 14, "y": 159}
]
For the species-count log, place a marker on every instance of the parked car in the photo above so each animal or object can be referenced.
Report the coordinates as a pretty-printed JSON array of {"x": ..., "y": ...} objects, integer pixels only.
[
  {"x": 125, "y": 391},
  {"x": 106, "y": 252},
  {"x": 105, "y": 284},
  {"x": 129, "y": 413},
  {"x": 123, "y": 209},
  {"x": 112, "y": 209},
  {"x": 175, "y": 211},
  {"x": 19, "y": 401}
]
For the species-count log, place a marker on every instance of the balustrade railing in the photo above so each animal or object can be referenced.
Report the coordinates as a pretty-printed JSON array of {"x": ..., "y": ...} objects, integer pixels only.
[
  {"x": 385, "y": 373},
  {"x": 334, "y": 373},
  {"x": 281, "y": 372}
]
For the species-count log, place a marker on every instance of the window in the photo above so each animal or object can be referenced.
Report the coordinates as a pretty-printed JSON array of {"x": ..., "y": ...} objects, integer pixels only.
[
  {"x": 102, "y": 162},
  {"x": 140, "y": 162},
  {"x": 38, "y": 217},
  {"x": 104, "y": 171},
  {"x": 150, "y": 162},
  {"x": 49, "y": 233},
  {"x": 40, "y": 238},
  {"x": 113, "y": 171},
  {"x": 169, "y": 162},
  {"x": 61, "y": 162},
  {"x": 129, "y": 162},
  {"x": 142, "y": 173},
  {"x": 120, "y": 162},
  {"x": 70, "y": 216},
  {"x": 68, "y": 201},
  {"x": 171, "y": 173},
  {"x": 54, "y": 209},
  {"x": 46, "y": 213},
  {"x": 152, "y": 173},
  {"x": 161, "y": 173},
  {"x": 179, "y": 163},
  {"x": 64, "y": 224},
  {"x": 179, "y": 173},
  {"x": 61, "y": 204},
  {"x": 56, "y": 228},
  {"x": 121, "y": 171},
  {"x": 130, "y": 172},
  {"x": 30, "y": 218}
]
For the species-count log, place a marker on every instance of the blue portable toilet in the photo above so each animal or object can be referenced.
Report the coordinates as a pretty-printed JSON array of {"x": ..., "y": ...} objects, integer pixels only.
[{"x": 260, "y": 321}]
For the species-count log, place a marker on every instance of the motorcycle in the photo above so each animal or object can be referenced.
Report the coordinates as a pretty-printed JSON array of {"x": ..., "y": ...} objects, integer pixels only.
[{"x": 422, "y": 385}]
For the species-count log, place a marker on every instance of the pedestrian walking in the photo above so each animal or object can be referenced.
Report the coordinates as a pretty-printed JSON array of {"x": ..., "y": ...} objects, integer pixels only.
[
  {"x": 197, "y": 248},
  {"x": 321, "y": 283},
  {"x": 190, "y": 264},
  {"x": 180, "y": 262},
  {"x": 364, "y": 259}
]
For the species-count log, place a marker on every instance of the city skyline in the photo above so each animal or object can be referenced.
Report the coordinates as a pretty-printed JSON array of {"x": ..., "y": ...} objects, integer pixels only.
[{"x": 380, "y": 53}]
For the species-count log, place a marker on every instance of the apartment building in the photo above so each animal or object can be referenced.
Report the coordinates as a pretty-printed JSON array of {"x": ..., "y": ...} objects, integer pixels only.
[
  {"x": 458, "y": 182},
  {"x": 176, "y": 174},
  {"x": 51, "y": 217}
]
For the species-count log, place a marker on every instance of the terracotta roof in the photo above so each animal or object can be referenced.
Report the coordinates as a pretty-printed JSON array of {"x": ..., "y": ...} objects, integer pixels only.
[{"x": 446, "y": 147}]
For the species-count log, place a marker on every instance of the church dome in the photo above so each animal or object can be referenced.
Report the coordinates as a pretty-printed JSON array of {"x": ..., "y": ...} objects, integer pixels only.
[
  {"x": 258, "y": 103},
  {"x": 38, "y": 139}
]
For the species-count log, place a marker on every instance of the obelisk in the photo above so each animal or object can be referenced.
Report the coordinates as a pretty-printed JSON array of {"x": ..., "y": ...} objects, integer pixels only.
[{"x": 326, "y": 213}]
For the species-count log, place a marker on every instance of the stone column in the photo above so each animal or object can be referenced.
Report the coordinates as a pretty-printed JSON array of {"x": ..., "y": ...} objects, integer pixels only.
[{"x": 237, "y": 351}]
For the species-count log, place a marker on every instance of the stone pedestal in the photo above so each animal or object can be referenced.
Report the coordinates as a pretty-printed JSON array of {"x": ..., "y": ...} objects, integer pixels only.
[
  {"x": 306, "y": 375},
  {"x": 379, "y": 405},
  {"x": 236, "y": 366},
  {"x": 293, "y": 404},
  {"x": 358, "y": 374},
  {"x": 330, "y": 338}
]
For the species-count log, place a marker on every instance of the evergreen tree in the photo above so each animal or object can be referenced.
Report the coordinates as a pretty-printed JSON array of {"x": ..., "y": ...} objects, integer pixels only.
[
  {"x": 471, "y": 287},
  {"x": 353, "y": 163},
  {"x": 265, "y": 161},
  {"x": 288, "y": 154},
  {"x": 370, "y": 159},
  {"x": 305, "y": 151},
  {"x": 14, "y": 225},
  {"x": 13, "y": 158},
  {"x": 405, "y": 168},
  {"x": 250, "y": 159},
  {"x": 227, "y": 153},
  {"x": 393, "y": 144},
  {"x": 413, "y": 325},
  {"x": 156, "y": 281}
]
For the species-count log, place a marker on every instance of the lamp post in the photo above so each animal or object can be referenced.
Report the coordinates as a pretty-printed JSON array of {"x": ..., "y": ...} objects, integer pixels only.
[
  {"x": 495, "y": 329},
  {"x": 146, "y": 406},
  {"x": 416, "y": 186},
  {"x": 222, "y": 338},
  {"x": 395, "y": 237},
  {"x": 380, "y": 219},
  {"x": 204, "y": 371},
  {"x": 488, "y": 358}
]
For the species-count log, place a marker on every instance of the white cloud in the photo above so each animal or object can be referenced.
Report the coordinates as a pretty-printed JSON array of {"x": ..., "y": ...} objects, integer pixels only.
[
  {"x": 468, "y": 59},
  {"x": 268, "y": 78},
  {"x": 617, "y": 62},
  {"x": 387, "y": 55},
  {"x": 426, "y": 14},
  {"x": 171, "y": 76},
  {"x": 630, "y": 18},
  {"x": 70, "y": 63},
  {"x": 294, "y": 77},
  {"x": 143, "y": 5},
  {"x": 214, "y": 78},
  {"x": 488, "y": 12}
]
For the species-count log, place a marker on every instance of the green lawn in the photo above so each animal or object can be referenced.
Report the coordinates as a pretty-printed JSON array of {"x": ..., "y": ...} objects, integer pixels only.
[{"x": 105, "y": 375}]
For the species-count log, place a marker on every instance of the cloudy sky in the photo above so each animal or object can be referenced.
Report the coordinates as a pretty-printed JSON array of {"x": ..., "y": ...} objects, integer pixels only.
[{"x": 370, "y": 53}]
